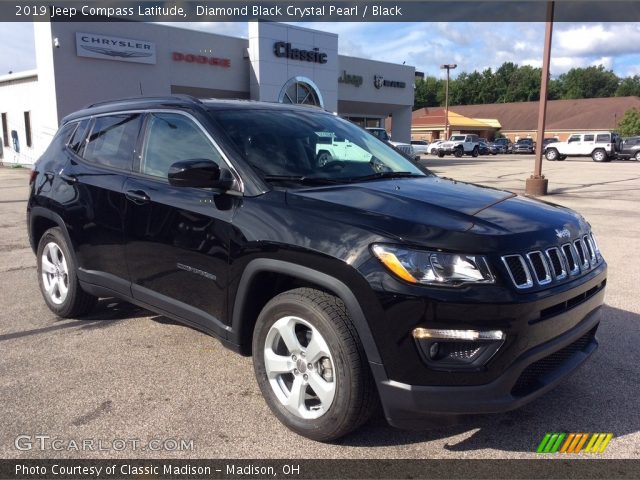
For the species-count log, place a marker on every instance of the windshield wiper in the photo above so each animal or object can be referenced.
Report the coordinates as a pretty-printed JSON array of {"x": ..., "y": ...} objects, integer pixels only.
[
  {"x": 302, "y": 179},
  {"x": 379, "y": 175}
]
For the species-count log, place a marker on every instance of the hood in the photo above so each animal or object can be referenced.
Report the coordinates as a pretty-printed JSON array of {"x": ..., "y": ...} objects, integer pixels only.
[{"x": 421, "y": 209}]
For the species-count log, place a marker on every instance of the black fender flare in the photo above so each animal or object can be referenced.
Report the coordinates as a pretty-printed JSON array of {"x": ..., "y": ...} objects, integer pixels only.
[
  {"x": 330, "y": 283},
  {"x": 40, "y": 212}
]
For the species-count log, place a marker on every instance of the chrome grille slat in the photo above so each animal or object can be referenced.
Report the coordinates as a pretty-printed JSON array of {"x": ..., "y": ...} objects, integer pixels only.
[
  {"x": 591, "y": 251},
  {"x": 571, "y": 259},
  {"x": 582, "y": 254},
  {"x": 539, "y": 267},
  {"x": 557, "y": 263},
  {"x": 511, "y": 262},
  {"x": 542, "y": 267}
]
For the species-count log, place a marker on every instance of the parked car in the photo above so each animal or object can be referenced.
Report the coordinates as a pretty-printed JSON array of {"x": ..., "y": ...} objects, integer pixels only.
[
  {"x": 524, "y": 145},
  {"x": 348, "y": 281},
  {"x": 503, "y": 145},
  {"x": 434, "y": 146},
  {"x": 629, "y": 148},
  {"x": 487, "y": 148},
  {"x": 406, "y": 148},
  {"x": 600, "y": 146},
  {"x": 420, "y": 147},
  {"x": 459, "y": 145},
  {"x": 547, "y": 141}
]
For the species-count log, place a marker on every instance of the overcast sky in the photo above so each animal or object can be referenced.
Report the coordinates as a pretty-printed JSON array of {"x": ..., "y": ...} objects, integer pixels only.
[{"x": 428, "y": 45}]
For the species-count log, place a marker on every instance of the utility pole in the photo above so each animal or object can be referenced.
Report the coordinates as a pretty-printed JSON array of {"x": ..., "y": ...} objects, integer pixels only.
[
  {"x": 447, "y": 67},
  {"x": 537, "y": 184}
]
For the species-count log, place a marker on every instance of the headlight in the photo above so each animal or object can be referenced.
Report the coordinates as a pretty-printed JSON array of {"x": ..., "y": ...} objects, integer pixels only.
[{"x": 434, "y": 268}]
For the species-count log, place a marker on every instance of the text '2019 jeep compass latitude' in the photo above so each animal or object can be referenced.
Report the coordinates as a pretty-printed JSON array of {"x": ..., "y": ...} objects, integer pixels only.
[{"x": 348, "y": 280}]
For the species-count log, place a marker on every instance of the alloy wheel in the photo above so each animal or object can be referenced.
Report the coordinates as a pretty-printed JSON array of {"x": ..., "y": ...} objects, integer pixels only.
[
  {"x": 55, "y": 273},
  {"x": 300, "y": 367}
]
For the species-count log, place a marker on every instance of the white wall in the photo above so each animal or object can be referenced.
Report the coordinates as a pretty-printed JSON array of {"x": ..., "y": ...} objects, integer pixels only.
[
  {"x": 270, "y": 73},
  {"x": 18, "y": 94},
  {"x": 80, "y": 81}
]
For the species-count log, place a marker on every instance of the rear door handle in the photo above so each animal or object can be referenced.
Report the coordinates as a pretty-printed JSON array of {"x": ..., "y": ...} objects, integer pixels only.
[
  {"x": 137, "y": 196},
  {"x": 68, "y": 178}
]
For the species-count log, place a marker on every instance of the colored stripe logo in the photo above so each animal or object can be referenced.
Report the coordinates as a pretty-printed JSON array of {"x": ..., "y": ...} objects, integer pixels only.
[{"x": 557, "y": 442}]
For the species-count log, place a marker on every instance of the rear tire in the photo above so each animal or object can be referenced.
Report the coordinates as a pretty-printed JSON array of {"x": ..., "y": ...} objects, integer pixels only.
[
  {"x": 475, "y": 152},
  {"x": 551, "y": 154},
  {"x": 599, "y": 155},
  {"x": 58, "y": 278},
  {"x": 637, "y": 156},
  {"x": 311, "y": 366},
  {"x": 440, "y": 154}
]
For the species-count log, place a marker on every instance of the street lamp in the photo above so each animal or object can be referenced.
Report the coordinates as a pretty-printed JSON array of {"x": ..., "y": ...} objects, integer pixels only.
[{"x": 447, "y": 67}]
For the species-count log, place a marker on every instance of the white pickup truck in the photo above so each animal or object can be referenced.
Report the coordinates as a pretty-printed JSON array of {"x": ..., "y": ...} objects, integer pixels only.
[
  {"x": 459, "y": 145},
  {"x": 600, "y": 146}
]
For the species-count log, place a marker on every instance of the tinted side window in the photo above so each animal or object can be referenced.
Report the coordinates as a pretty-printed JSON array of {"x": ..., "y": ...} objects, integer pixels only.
[
  {"x": 603, "y": 138},
  {"x": 574, "y": 138},
  {"x": 112, "y": 140},
  {"x": 589, "y": 138},
  {"x": 62, "y": 137},
  {"x": 170, "y": 138},
  {"x": 77, "y": 139}
]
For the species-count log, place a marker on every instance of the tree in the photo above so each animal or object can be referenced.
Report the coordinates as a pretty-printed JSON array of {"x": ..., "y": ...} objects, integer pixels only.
[
  {"x": 428, "y": 92},
  {"x": 590, "y": 82},
  {"x": 629, "y": 87},
  {"x": 629, "y": 124}
]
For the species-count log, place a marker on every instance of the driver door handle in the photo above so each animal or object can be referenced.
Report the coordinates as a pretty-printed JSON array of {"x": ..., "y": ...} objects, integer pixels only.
[{"x": 137, "y": 196}]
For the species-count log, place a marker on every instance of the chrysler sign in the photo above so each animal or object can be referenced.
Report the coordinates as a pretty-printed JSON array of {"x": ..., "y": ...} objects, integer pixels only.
[{"x": 105, "y": 47}]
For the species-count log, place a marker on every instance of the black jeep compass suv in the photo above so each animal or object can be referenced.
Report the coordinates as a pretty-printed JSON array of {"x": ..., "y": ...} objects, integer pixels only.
[{"x": 349, "y": 277}]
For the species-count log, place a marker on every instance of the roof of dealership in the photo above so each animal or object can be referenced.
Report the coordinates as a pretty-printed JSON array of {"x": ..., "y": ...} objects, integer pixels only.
[{"x": 562, "y": 115}]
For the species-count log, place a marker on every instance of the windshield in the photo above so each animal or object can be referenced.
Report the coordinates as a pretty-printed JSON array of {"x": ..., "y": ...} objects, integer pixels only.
[
  {"x": 299, "y": 145},
  {"x": 457, "y": 138}
]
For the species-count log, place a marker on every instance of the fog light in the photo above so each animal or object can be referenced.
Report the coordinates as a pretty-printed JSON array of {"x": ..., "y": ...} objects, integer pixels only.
[
  {"x": 433, "y": 350},
  {"x": 457, "y": 349},
  {"x": 470, "y": 335}
]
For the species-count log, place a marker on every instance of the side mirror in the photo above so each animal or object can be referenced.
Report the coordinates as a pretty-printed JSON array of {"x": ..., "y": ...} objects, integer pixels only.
[{"x": 199, "y": 173}]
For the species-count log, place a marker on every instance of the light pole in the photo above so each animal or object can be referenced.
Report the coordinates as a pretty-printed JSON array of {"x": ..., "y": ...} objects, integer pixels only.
[
  {"x": 537, "y": 184},
  {"x": 447, "y": 67}
]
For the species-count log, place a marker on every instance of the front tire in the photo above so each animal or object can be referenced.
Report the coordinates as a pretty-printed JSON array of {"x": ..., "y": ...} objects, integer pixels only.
[
  {"x": 323, "y": 158},
  {"x": 637, "y": 157},
  {"x": 458, "y": 152},
  {"x": 58, "y": 279},
  {"x": 311, "y": 366}
]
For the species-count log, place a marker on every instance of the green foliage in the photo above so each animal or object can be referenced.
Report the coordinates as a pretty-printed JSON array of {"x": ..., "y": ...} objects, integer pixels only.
[
  {"x": 629, "y": 87},
  {"x": 514, "y": 83},
  {"x": 629, "y": 124},
  {"x": 590, "y": 82}
]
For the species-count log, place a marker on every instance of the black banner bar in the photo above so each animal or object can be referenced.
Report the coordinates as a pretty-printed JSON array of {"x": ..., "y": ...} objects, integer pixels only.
[
  {"x": 544, "y": 468},
  {"x": 317, "y": 11}
]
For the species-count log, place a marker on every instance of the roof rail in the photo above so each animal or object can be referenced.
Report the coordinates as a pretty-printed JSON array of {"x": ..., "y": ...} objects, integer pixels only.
[{"x": 169, "y": 98}]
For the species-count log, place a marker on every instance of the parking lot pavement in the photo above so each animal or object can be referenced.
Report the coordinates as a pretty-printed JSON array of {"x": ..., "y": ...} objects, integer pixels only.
[{"x": 125, "y": 373}]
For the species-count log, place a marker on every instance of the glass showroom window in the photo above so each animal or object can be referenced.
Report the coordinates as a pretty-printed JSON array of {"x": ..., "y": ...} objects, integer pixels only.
[{"x": 301, "y": 91}]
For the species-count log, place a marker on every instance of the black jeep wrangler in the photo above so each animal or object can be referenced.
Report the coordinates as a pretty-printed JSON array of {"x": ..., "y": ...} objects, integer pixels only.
[{"x": 358, "y": 279}]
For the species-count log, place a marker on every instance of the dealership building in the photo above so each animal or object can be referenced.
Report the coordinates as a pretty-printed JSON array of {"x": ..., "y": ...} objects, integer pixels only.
[{"x": 78, "y": 64}]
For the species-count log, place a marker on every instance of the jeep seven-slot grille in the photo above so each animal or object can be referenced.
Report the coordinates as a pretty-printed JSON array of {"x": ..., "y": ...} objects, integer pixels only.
[
  {"x": 554, "y": 264},
  {"x": 533, "y": 377}
]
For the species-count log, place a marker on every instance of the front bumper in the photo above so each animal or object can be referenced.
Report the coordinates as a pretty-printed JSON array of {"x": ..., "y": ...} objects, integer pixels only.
[
  {"x": 544, "y": 349},
  {"x": 532, "y": 375}
]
